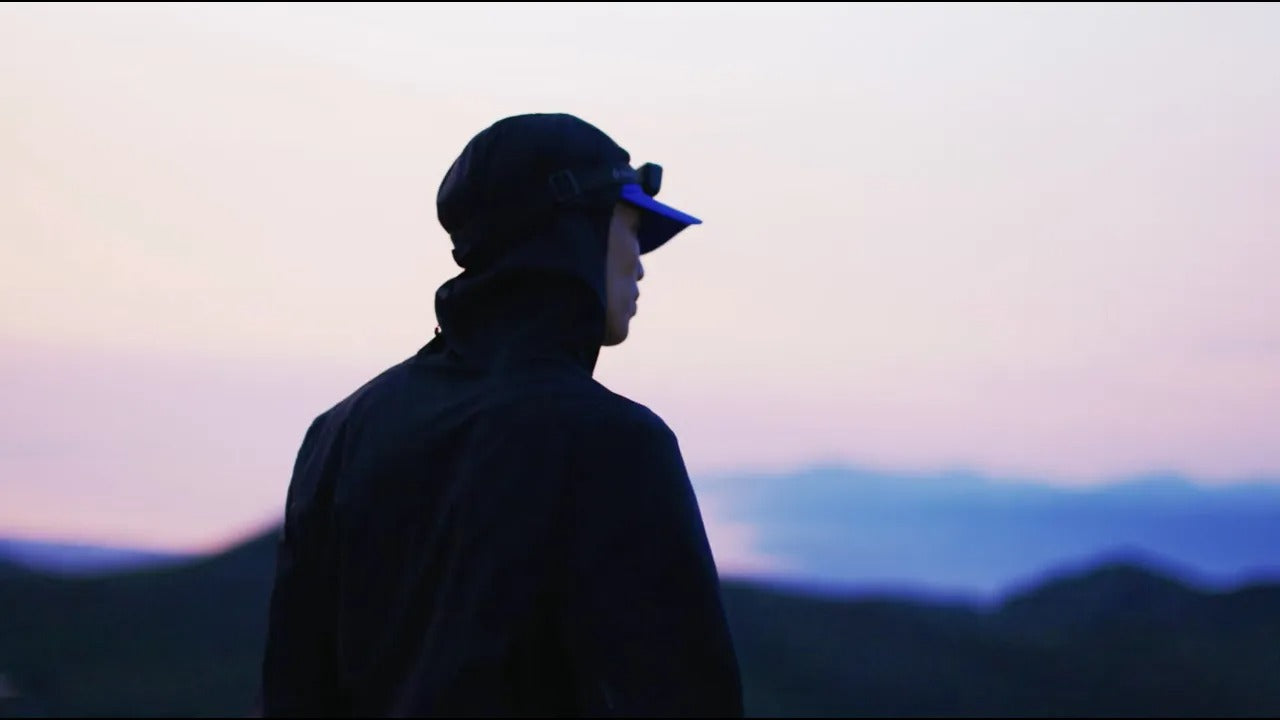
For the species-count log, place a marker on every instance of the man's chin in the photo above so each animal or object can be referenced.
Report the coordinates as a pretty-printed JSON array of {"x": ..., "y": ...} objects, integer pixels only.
[{"x": 615, "y": 336}]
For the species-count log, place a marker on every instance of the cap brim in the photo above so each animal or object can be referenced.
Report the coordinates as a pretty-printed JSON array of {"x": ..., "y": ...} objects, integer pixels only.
[{"x": 660, "y": 222}]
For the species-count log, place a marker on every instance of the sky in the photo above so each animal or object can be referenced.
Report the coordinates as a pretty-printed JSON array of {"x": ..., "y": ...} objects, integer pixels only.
[{"x": 1035, "y": 241}]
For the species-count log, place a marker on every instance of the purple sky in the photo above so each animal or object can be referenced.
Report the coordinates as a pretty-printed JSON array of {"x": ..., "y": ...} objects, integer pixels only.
[{"x": 1039, "y": 241}]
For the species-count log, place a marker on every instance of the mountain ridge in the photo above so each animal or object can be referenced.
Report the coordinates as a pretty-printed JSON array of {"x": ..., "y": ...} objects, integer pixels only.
[{"x": 186, "y": 640}]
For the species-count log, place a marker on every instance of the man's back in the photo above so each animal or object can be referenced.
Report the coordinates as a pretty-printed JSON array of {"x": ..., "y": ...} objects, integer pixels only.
[
  {"x": 483, "y": 529},
  {"x": 521, "y": 546}
]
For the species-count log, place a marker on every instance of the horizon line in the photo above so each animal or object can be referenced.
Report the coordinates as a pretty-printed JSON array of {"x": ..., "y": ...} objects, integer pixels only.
[{"x": 271, "y": 520}]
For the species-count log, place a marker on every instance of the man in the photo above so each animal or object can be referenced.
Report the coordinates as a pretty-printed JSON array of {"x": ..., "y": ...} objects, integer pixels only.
[{"x": 483, "y": 529}]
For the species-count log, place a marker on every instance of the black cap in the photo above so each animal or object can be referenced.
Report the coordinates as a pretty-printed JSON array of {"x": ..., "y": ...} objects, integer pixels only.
[{"x": 504, "y": 180}]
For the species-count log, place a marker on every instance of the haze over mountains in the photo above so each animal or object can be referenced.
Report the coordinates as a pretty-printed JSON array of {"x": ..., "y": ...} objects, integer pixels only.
[
  {"x": 946, "y": 594},
  {"x": 79, "y": 559},
  {"x": 970, "y": 535},
  {"x": 950, "y": 534}
]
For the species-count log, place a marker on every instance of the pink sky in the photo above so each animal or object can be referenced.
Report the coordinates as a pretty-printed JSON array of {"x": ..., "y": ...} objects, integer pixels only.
[{"x": 1038, "y": 241}]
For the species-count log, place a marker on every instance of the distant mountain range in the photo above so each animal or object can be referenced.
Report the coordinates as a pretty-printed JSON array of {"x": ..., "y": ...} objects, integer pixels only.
[
  {"x": 1116, "y": 640},
  {"x": 941, "y": 536},
  {"x": 80, "y": 559},
  {"x": 969, "y": 536}
]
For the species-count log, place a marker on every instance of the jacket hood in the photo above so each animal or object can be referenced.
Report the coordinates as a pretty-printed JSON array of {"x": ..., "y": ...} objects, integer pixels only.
[{"x": 533, "y": 279}]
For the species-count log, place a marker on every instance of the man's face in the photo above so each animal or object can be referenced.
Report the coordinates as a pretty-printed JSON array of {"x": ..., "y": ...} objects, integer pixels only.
[{"x": 623, "y": 272}]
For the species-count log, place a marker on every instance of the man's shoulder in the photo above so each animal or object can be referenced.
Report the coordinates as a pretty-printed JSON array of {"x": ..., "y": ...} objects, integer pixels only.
[
  {"x": 598, "y": 406},
  {"x": 583, "y": 407},
  {"x": 608, "y": 425},
  {"x": 586, "y": 409},
  {"x": 389, "y": 381}
]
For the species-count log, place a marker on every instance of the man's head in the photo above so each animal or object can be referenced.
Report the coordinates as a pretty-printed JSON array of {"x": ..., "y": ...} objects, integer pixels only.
[{"x": 553, "y": 196}]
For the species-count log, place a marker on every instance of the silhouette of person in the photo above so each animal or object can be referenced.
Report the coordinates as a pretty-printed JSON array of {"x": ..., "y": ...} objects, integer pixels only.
[{"x": 483, "y": 528}]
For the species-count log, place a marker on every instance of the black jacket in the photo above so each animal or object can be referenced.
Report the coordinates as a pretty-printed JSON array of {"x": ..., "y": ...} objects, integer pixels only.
[{"x": 484, "y": 529}]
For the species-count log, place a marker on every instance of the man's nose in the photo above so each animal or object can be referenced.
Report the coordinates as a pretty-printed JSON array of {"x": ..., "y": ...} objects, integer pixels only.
[{"x": 640, "y": 273}]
